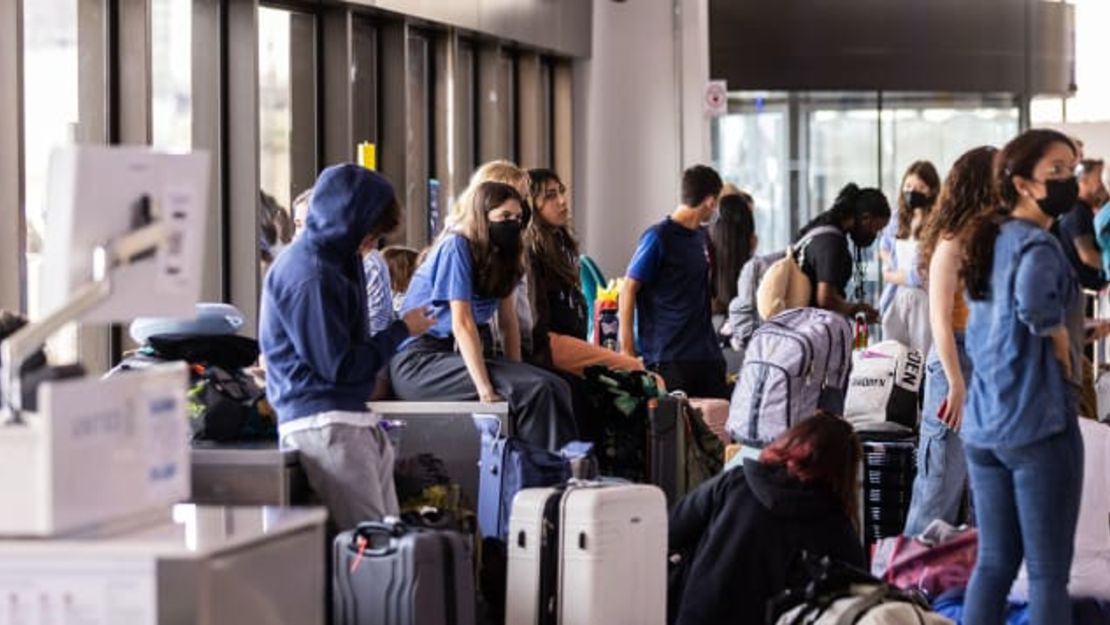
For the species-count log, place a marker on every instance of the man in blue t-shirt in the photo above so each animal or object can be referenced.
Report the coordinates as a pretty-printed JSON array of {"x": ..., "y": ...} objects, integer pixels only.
[{"x": 668, "y": 287}]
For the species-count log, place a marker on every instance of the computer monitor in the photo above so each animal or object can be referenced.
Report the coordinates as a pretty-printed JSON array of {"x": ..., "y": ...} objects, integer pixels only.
[{"x": 98, "y": 194}]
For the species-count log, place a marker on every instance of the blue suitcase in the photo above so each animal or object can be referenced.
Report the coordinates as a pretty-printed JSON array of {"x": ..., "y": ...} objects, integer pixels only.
[{"x": 509, "y": 465}]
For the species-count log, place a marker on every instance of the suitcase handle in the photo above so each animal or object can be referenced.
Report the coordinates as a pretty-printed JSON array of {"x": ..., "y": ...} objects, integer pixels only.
[{"x": 369, "y": 530}]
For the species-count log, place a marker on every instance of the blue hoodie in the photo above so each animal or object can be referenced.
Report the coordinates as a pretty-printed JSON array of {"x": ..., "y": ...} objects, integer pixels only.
[{"x": 314, "y": 329}]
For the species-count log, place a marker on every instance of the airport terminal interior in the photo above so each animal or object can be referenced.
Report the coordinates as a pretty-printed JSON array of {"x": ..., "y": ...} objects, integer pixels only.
[{"x": 554, "y": 312}]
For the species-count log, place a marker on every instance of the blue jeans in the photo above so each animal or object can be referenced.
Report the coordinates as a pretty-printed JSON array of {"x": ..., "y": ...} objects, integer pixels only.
[
  {"x": 1027, "y": 506},
  {"x": 938, "y": 489}
]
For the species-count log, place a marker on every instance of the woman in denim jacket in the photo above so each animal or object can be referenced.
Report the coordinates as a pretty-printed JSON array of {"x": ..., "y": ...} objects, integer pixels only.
[{"x": 1020, "y": 430}]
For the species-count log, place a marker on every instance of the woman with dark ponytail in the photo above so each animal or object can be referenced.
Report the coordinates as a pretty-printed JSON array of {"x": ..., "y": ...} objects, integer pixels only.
[
  {"x": 1020, "y": 432},
  {"x": 823, "y": 245}
]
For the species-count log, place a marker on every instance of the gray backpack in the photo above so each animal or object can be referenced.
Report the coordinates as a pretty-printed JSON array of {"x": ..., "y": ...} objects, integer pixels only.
[
  {"x": 743, "y": 316},
  {"x": 797, "y": 362}
]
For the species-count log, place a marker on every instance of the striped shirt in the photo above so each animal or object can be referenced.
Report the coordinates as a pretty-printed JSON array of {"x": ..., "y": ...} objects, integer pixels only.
[{"x": 379, "y": 297}]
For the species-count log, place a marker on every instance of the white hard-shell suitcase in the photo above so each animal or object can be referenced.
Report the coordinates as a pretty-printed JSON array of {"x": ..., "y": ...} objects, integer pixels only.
[{"x": 602, "y": 558}]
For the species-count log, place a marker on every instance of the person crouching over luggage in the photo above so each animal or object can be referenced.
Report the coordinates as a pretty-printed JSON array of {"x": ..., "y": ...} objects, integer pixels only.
[
  {"x": 471, "y": 272},
  {"x": 739, "y": 533},
  {"x": 321, "y": 361}
]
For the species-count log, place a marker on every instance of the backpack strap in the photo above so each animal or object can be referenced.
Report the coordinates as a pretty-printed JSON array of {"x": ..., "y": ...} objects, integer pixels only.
[{"x": 798, "y": 251}]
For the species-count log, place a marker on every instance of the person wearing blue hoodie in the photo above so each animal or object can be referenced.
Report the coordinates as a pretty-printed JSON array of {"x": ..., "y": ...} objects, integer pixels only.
[
  {"x": 471, "y": 273},
  {"x": 321, "y": 362}
]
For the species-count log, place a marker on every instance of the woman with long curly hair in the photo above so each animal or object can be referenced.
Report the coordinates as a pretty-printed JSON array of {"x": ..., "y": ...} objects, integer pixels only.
[
  {"x": 559, "y": 334},
  {"x": 470, "y": 273},
  {"x": 940, "y": 485},
  {"x": 1020, "y": 431}
]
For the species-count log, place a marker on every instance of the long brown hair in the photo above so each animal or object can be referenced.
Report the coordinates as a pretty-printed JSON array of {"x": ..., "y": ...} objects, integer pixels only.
[
  {"x": 823, "y": 449},
  {"x": 1018, "y": 158},
  {"x": 493, "y": 276},
  {"x": 732, "y": 241},
  {"x": 553, "y": 247},
  {"x": 967, "y": 192},
  {"x": 928, "y": 174}
]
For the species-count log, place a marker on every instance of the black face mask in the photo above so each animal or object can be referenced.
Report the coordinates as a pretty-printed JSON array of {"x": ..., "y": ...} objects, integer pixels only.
[
  {"x": 916, "y": 199},
  {"x": 1060, "y": 196},
  {"x": 862, "y": 240},
  {"x": 505, "y": 236}
]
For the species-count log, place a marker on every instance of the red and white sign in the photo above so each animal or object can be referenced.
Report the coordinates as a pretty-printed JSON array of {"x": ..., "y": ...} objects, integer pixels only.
[{"x": 715, "y": 99}]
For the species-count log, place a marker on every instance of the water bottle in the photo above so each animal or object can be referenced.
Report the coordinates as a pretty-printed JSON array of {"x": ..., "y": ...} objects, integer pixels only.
[
  {"x": 862, "y": 340},
  {"x": 609, "y": 326}
]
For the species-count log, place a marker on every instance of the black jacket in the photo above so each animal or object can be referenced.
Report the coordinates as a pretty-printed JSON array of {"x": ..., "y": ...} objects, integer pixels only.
[{"x": 741, "y": 532}]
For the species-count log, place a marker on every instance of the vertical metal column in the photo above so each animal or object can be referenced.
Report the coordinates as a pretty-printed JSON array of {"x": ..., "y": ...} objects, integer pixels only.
[
  {"x": 563, "y": 122},
  {"x": 303, "y": 146},
  {"x": 337, "y": 113},
  {"x": 13, "y": 266},
  {"x": 241, "y": 157},
  {"x": 529, "y": 111},
  {"x": 97, "y": 123},
  {"x": 132, "y": 91},
  {"x": 392, "y": 160},
  {"x": 208, "y": 101}
]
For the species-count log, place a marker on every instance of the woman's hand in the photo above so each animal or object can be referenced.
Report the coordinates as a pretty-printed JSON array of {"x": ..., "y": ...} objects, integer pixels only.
[
  {"x": 951, "y": 412},
  {"x": 487, "y": 395}
]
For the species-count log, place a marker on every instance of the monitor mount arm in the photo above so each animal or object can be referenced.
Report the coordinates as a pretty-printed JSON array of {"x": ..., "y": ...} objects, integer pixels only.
[{"x": 136, "y": 245}]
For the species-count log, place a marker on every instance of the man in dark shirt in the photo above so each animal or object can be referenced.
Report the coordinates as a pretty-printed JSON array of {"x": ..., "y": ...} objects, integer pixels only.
[
  {"x": 668, "y": 286},
  {"x": 1076, "y": 229}
]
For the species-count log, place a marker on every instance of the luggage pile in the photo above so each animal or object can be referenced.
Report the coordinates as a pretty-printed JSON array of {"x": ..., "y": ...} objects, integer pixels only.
[
  {"x": 226, "y": 403},
  {"x": 889, "y": 468}
]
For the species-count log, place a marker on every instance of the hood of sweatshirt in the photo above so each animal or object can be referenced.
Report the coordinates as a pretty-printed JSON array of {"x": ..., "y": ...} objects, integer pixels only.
[
  {"x": 347, "y": 202},
  {"x": 787, "y": 496}
]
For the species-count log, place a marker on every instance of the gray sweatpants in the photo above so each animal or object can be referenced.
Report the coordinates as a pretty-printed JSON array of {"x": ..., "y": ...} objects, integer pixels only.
[{"x": 350, "y": 468}]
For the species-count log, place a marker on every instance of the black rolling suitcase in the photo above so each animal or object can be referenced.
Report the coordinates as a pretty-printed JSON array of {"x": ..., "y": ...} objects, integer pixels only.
[
  {"x": 889, "y": 468},
  {"x": 391, "y": 574},
  {"x": 681, "y": 450}
]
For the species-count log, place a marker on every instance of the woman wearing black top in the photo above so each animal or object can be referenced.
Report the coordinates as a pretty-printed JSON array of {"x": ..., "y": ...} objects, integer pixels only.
[
  {"x": 859, "y": 214},
  {"x": 739, "y": 533},
  {"x": 559, "y": 333}
]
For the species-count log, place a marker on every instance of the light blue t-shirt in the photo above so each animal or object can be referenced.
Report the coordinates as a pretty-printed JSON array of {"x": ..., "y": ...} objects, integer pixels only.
[
  {"x": 888, "y": 242},
  {"x": 447, "y": 274},
  {"x": 1102, "y": 236},
  {"x": 1018, "y": 393}
]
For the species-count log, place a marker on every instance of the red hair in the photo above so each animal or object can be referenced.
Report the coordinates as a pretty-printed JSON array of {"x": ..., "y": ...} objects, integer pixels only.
[{"x": 823, "y": 449}]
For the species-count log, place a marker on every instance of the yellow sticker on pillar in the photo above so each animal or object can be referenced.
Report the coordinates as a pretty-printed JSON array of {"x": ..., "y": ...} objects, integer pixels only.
[{"x": 368, "y": 156}]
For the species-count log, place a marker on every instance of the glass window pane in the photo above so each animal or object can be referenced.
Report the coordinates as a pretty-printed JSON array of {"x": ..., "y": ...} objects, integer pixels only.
[
  {"x": 751, "y": 150},
  {"x": 1047, "y": 110},
  {"x": 171, "y": 66},
  {"x": 275, "y": 114},
  {"x": 939, "y": 129},
  {"x": 50, "y": 117},
  {"x": 843, "y": 146}
]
